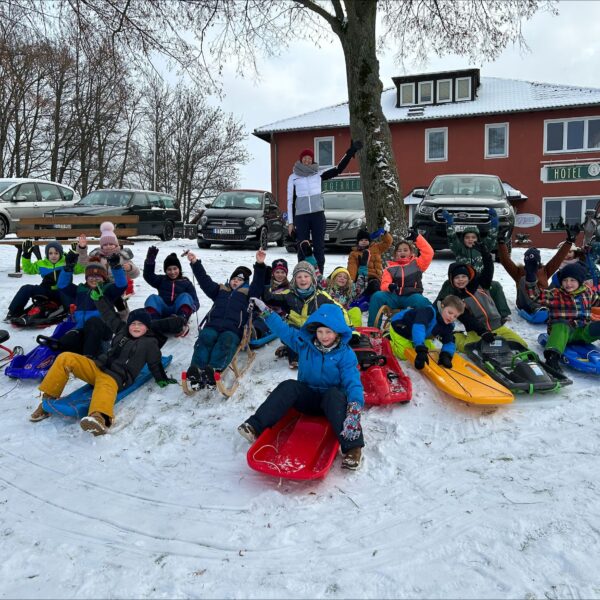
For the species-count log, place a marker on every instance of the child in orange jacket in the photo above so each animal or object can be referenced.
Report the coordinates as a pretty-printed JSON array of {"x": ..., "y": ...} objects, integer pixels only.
[{"x": 401, "y": 283}]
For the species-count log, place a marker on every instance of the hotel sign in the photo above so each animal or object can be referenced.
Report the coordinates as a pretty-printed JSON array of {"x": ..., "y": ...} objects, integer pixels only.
[{"x": 572, "y": 172}]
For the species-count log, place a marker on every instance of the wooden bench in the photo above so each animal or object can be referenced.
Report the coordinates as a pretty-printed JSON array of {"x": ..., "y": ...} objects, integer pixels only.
[{"x": 66, "y": 230}]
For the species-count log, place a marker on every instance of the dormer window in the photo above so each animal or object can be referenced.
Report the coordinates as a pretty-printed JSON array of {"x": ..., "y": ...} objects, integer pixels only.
[
  {"x": 444, "y": 91},
  {"x": 463, "y": 89},
  {"x": 407, "y": 94},
  {"x": 426, "y": 92}
]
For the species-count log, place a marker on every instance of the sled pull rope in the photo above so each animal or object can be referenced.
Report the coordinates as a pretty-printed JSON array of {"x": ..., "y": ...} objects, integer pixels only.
[{"x": 14, "y": 387}]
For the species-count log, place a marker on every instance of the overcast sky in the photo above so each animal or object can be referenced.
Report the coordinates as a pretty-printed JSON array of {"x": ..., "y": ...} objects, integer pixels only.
[{"x": 563, "y": 49}]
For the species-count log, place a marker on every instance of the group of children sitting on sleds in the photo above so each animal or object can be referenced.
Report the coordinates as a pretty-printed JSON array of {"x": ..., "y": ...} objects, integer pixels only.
[{"x": 312, "y": 316}]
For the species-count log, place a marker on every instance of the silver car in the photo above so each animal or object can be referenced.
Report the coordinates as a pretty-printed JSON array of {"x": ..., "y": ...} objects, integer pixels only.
[{"x": 30, "y": 198}]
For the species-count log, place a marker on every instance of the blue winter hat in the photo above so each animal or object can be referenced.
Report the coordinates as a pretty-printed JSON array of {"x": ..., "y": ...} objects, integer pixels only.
[
  {"x": 141, "y": 315},
  {"x": 575, "y": 270},
  {"x": 58, "y": 247}
]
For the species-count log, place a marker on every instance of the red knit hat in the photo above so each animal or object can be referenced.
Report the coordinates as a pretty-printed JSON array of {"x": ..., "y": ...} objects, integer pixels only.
[{"x": 307, "y": 152}]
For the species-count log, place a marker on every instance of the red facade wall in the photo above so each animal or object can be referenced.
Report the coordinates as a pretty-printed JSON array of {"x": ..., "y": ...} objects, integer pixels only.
[{"x": 466, "y": 154}]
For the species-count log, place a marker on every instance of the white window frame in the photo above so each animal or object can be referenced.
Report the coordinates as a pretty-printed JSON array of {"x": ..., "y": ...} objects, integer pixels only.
[
  {"x": 563, "y": 200},
  {"x": 430, "y": 83},
  {"x": 489, "y": 126},
  {"x": 327, "y": 138},
  {"x": 456, "y": 96},
  {"x": 412, "y": 87},
  {"x": 564, "y": 150},
  {"x": 436, "y": 130},
  {"x": 437, "y": 90}
]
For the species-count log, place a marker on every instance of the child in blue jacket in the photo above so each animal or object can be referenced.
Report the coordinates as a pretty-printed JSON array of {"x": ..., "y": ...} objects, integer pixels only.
[
  {"x": 412, "y": 326},
  {"x": 176, "y": 294},
  {"x": 328, "y": 379}
]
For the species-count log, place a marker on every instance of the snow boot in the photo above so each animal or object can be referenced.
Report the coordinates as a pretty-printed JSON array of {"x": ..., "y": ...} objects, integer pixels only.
[
  {"x": 352, "y": 459},
  {"x": 248, "y": 432},
  {"x": 39, "y": 414},
  {"x": 553, "y": 360},
  {"x": 196, "y": 378},
  {"x": 281, "y": 351},
  {"x": 94, "y": 423},
  {"x": 209, "y": 377}
]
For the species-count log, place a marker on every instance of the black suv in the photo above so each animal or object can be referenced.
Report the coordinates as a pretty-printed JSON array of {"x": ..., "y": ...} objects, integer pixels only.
[
  {"x": 467, "y": 198},
  {"x": 157, "y": 212},
  {"x": 242, "y": 217}
]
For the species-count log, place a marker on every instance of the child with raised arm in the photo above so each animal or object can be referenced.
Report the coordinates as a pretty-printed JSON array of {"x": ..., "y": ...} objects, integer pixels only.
[
  {"x": 328, "y": 379},
  {"x": 369, "y": 254}
]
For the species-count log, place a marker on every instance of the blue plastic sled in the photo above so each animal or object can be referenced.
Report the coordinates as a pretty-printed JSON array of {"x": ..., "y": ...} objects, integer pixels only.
[
  {"x": 580, "y": 356},
  {"x": 36, "y": 363},
  {"x": 263, "y": 340},
  {"x": 77, "y": 403},
  {"x": 536, "y": 318}
]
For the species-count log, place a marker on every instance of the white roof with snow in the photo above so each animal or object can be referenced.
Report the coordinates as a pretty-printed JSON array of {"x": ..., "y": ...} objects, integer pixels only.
[{"x": 494, "y": 95}]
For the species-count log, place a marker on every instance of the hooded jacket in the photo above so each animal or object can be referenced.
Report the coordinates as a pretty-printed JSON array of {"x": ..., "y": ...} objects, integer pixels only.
[
  {"x": 48, "y": 270},
  {"x": 168, "y": 289},
  {"x": 375, "y": 264},
  {"x": 229, "y": 311},
  {"x": 471, "y": 256},
  {"x": 127, "y": 355},
  {"x": 319, "y": 370}
]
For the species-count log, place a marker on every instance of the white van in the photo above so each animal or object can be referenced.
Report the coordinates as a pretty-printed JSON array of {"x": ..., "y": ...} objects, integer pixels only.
[{"x": 30, "y": 198}]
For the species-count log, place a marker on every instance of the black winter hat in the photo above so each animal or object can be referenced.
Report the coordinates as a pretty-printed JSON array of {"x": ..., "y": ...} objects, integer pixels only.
[
  {"x": 141, "y": 315},
  {"x": 172, "y": 261},
  {"x": 456, "y": 268},
  {"x": 363, "y": 234},
  {"x": 280, "y": 263},
  {"x": 575, "y": 270},
  {"x": 242, "y": 272}
]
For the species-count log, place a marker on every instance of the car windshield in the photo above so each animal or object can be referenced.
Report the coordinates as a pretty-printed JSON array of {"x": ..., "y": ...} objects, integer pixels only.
[
  {"x": 455, "y": 185},
  {"x": 6, "y": 184},
  {"x": 341, "y": 201},
  {"x": 242, "y": 200},
  {"x": 106, "y": 198}
]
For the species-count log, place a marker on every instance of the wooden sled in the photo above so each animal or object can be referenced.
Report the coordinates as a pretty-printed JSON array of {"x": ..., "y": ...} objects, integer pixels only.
[{"x": 384, "y": 316}]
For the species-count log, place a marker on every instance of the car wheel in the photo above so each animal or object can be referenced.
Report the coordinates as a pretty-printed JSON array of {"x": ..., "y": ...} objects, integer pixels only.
[
  {"x": 167, "y": 232},
  {"x": 263, "y": 239},
  {"x": 203, "y": 244},
  {"x": 291, "y": 249},
  {"x": 3, "y": 228}
]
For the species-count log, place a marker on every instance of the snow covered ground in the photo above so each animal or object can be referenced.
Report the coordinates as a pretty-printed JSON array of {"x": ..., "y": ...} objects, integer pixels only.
[{"x": 452, "y": 500}]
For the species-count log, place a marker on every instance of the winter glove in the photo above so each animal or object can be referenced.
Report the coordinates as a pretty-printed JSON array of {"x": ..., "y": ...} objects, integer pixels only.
[
  {"x": 306, "y": 249},
  {"x": 97, "y": 293},
  {"x": 377, "y": 233},
  {"x": 114, "y": 261},
  {"x": 151, "y": 254},
  {"x": 355, "y": 146},
  {"x": 488, "y": 336},
  {"x": 163, "y": 383},
  {"x": 70, "y": 261},
  {"x": 494, "y": 222},
  {"x": 447, "y": 217},
  {"x": 532, "y": 263},
  {"x": 504, "y": 237},
  {"x": 351, "y": 427},
  {"x": 259, "y": 304},
  {"x": 572, "y": 233},
  {"x": 445, "y": 360},
  {"x": 422, "y": 357},
  {"x": 27, "y": 249},
  {"x": 364, "y": 259},
  {"x": 411, "y": 235},
  {"x": 363, "y": 270},
  {"x": 393, "y": 288},
  {"x": 73, "y": 246}
]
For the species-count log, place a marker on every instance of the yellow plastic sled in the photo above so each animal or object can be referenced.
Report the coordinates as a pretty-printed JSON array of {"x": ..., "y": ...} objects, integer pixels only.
[{"x": 464, "y": 381}]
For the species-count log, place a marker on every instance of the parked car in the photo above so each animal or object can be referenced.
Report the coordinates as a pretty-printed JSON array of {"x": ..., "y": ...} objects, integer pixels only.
[
  {"x": 157, "y": 212},
  {"x": 30, "y": 198},
  {"x": 345, "y": 215},
  {"x": 240, "y": 217},
  {"x": 467, "y": 198}
]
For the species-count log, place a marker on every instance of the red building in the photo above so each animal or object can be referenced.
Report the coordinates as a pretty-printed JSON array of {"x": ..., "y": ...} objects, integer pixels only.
[{"x": 543, "y": 139}]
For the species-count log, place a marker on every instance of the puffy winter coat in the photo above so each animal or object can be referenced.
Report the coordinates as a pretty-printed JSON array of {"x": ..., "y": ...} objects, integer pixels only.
[
  {"x": 471, "y": 256},
  {"x": 229, "y": 311},
  {"x": 407, "y": 273},
  {"x": 320, "y": 370},
  {"x": 375, "y": 265},
  {"x": 47, "y": 269},
  {"x": 126, "y": 255},
  {"x": 168, "y": 289}
]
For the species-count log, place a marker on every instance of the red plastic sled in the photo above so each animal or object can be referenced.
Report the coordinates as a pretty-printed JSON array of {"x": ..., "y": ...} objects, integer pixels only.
[
  {"x": 298, "y": 447},
  {"x": 382, "y": 377}
]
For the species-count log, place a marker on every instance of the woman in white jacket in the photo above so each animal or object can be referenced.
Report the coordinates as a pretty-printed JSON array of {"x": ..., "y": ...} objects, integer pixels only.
[{"x": 307, "y": 214}]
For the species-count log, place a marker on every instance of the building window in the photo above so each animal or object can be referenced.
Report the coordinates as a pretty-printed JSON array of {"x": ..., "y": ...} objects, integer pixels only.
[
  {"x": 558, "y": 212},
  {"x": 463, "y": 88},
  {"x": 444, "y": 90},
  {"x": 426, "y": 92},
  {"x": 324, "y": 151},
  {"x": 572, "y": 135},
  {"x": 496, "y": 140},
  {"x": 436, "y": 144},
  {"x": 407, "y": 94}
]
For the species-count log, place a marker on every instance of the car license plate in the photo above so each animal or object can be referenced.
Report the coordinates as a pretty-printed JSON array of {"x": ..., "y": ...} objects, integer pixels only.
[
  {"x": 326, "y": 237},
  {"x": 460, "y": 227},
  {"x": 224, "y": 231}
]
